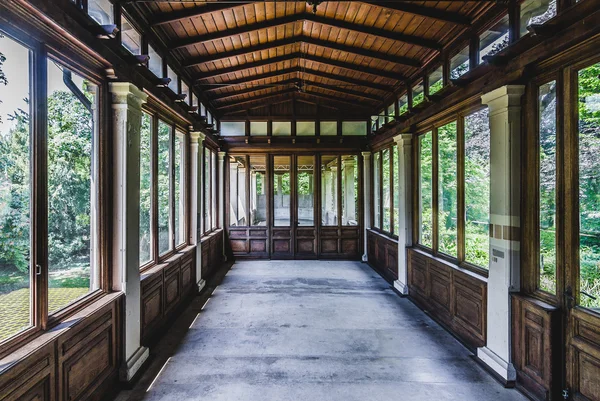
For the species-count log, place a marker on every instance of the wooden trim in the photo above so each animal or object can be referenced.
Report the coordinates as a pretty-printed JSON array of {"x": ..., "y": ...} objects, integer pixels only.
[
  {"x": 434, "y": 190},
  {"x": 460, "y": 190}
]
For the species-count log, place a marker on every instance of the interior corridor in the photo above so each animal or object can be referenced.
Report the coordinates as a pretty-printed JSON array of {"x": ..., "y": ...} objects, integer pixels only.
[{"x": 310, "y": 330}]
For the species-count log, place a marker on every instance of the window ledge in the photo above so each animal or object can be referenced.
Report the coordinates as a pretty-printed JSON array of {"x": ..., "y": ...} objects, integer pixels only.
[
  {"x": 476, "y": 275},
  {"x": 60, "y": 329}
]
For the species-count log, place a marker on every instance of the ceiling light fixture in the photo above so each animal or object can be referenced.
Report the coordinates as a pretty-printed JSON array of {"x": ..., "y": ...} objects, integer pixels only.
[{"x": 314, "y": 4}]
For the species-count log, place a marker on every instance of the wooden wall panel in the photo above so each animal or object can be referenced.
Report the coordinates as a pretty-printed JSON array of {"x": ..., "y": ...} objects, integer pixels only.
[
  {"x": 535, "y": 332},
  {"x": 31, "y": 378},
  {"x": 584, "y": 356},
  {"x": 212, "y": 253},
  {"x": 382, "y": 253},
  {"x": 455, "y": 297},
  {"x": 244, "y": 242}
]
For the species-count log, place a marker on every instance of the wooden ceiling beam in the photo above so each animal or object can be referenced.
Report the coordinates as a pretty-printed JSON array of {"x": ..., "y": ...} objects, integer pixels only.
[
  {"x": 353, "y": 105},
  {"x": 321, "y": 60},
  {"x": 423, "y": 11},
  {"x": 306, "y": 17},
  {"x": 308, "y": 40},
  {"x": 175, "y": 16},
  {"x": 257, "y": 98}
]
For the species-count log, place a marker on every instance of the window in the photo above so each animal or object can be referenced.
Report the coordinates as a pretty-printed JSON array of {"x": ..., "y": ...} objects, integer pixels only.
[
  {"x": 207, "y": 190},
  {"x": 258, "y": 128},
  {"x": 426, "y": 190},
  {"x": 164, "y": 188},
  {"x": 305, "y": 128},
  {"x": 195, "y": 101},
  {"x": 349, "y": 190},
  {"x": 436, "y": 80},
  {"x": 386, "y": 193},
  {"x": 495, "y": 39},
  {"x": 329, "y": 191},
  {"x": 391, "y": 112},
  {"x": 72, "y": 226},
  {"x": 589, "y": 186},
  {"x": 16, "y": 300},
  {"x": 146, "y": 235},
  {"x": 185, "y": 90},
  {"x": 536, "y": 12},
  {"x": 233, "y": 128},
  {"x": 155, "y": 64},
  {"x": 202, "y": 109},
  {"x": 174, "y": 84},
  {"x": 305, "y": 177},
  {"x": 281, "y": 128},
  {"x": 328, "y": 128},
  {"x": 179, "y": 188},
  {"x": 447, "y": 189},
  {"x": 282, "y": 190},
  {"x": 101, "y": 11},
  {"x": 130, "y": 37},
  {"x": 395, "y": 190},
  {"x": 354, "y": 128},
  {"x": 403, "y": 104},
  {"x": 477, "y": 188},
  {"x": 237, "y": 191},
  {"x": 459, "y": 64},
  {"x": 213, "y": 188},
  {"x": 418, "y": 94},
  {"x": 381, "y": 119},
  {"x": 377, "y": 190},
  {"x": 258, "y": 190}
]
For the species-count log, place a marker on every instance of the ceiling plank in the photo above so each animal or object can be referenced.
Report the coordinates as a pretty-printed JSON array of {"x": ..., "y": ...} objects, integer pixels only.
[
  {"x": 210, "y": 7},
  {"x": 321, "y": 60},
  {"x": 309, "y": 40},
  {"x": 257, "y": 98},
  {"x": 336, "y": 99},
  {"x": 423, "y": 11}
]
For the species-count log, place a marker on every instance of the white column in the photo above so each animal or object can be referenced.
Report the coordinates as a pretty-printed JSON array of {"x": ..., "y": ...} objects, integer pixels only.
[
  {"x": 196, "y": 201},
  {"x": 348, "y": 167},
  {"x": 127, "y": 103},
  {"x": 222, "y": 197},
  {"x": 403, "y": 175},
  {"x": 366, "y": 199},
  {"x": 505, "y": 123}
]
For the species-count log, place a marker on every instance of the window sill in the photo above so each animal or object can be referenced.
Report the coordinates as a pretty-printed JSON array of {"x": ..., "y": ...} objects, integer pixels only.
[{"x": 22, "y": 351}]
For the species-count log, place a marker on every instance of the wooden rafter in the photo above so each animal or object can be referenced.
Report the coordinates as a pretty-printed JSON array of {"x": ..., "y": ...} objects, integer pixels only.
[
  {"x": 257, "y": 98},
  {"x": 321, "y": 60},
  {"x": 186, "y": 13},
  {"x": 423, "y": 11},
  {"x": 309, "y": 40}
]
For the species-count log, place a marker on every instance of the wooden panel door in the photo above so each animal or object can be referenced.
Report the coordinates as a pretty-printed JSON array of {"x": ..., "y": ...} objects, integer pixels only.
[
  {"x": 281, "y": 205},
  {"x": 305, "y": 230}
]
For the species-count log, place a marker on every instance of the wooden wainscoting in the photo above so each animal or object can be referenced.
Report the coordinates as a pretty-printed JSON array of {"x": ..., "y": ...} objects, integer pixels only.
[
  {"x": 77, "y": 360},
  {"x": 212, "y": 253},
  {"x": 249, "y": 242},
  {"x": 583, "y": 355},
  {"x": 536, "y": 351},
  {"x": 455, "y": 297},
  {"x": 165, "y": 288},
  {"x": 340, "y": 242},
  {"x": 382, "y": 252}
]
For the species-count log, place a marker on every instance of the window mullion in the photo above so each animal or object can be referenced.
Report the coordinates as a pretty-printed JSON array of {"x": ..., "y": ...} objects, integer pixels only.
[
  {"x": 434, "y": 190},
  {"x": 392, "y": 194},
  {"x": 460, "y": 180},
  {"x": 154, "y": 188}
]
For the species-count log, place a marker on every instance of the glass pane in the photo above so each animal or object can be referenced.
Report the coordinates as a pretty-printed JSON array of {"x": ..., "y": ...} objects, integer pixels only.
[
  {"x": 174, "y": 84},
  {"x": 214, "y": 189},
  {"x": 237, "y": 191},
  {"x": 381, "y": 119},
  {"x": 258, "y": 190},
  {"x": 15, "y": 192},
  {"x": 329, "y": 190},
  {"x": 395, "y": 190},
  {"x": 130, "y": 38},
  {"x": 459, "y": 64},
  {"x": 164, "y": 187},
  {"x": 179, "y": 196},
  {"x": 328, "y": 128},
  {"x": 436, "y": 80},
  {"x": 278, "y": 128},
  {"x": 207, "y": 191},
  {"x": 72, "y": 128},
  {"x": 447, "y": 207},
  {"x": 536, "y": 12},
  {"x": 494, "y": 39},
  {"x": 387, "y": 213},
  {"x": 589, "y": 187},
  {"x": 403, "y": 104},
  {"x": 101, "y": 11},
  {"x": 349, "y": 190},
  {"x": 477, "y": 188},
  {"x": 145, "y": 190},
  {"x": 425, "y": 190},
  {"x": 281, "y": 190},
  {"x": 305, "y": 185},
  {"x": 185, "y": 90},
  {"x": 376, "y": 189},
  {"x": 155, "y": 64},
  {"x": 418, "y": 94},
  {"x": 391, "y": 113}
]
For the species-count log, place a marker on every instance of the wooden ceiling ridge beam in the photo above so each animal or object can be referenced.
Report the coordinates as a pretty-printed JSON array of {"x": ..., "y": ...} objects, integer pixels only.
[
  {"x": 307, "y": 17},
  {"x": 424, "y": 11},
  {"x": 321, "y": 60},
  {"x": 309, "y": 40}
]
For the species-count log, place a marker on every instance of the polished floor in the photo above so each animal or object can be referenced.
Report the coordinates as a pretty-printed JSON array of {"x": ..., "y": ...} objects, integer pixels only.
[{"x": 310, "y": 330}]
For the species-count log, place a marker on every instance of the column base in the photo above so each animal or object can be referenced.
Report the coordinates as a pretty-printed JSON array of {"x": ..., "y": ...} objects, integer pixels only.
[
  {"x": 201, "y": 284},
  {"x": 504, "y": 369},
  {"x": 401, "y": 287},
  {"x": 133, "y": 365},
  {"x": 365, "y": 258}
]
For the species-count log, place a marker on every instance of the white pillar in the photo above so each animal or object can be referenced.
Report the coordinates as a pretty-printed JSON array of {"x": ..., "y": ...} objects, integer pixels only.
[
  {"x": 196, "y": 201},
  {"x": 222, "y": 197},
  {"x": 127, "y": 103},
  {"x": 403, "y": 175},
  {"x": 348, "y": 167},
  {"x": 505, "y": 123},
  {"x": 366, "y": 199}
]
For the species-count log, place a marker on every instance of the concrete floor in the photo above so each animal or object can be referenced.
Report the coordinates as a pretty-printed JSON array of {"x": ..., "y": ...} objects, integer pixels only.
[{"x": 310, "y": 330}]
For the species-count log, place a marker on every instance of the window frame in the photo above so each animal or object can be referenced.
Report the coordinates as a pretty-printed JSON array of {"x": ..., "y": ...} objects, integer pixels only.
[
  {"x": 212, "y": 197},
  {"x": 391, "y": 148}
]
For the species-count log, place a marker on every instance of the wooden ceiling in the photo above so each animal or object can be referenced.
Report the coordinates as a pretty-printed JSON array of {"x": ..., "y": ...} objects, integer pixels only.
[{"x": 348, "y": 55}]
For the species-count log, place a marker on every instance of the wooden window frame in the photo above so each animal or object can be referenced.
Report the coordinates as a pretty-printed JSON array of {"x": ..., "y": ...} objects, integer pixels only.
[
  {"x": 212, "y": 197},
  {"x": 391, "y": 148}
]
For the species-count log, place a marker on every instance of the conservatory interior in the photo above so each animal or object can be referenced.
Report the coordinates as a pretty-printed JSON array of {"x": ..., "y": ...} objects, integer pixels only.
[{"x": 393, "y": 197}]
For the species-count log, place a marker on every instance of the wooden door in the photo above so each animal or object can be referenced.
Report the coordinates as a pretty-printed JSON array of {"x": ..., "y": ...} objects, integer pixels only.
[
  {"x": 282, "y": 203},
  {"x": 305, "y": 229}
]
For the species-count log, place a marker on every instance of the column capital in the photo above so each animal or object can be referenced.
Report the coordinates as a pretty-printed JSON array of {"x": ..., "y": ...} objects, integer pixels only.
[
  {"x": 403, "y": 139},
  {"x": 222, "y": 156},
  {"x": 197, "y": 137},
  {"x": 366, "y": 155},
  {"x": 503, "y": 97},
  {"x": 126, "y": 94}
]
